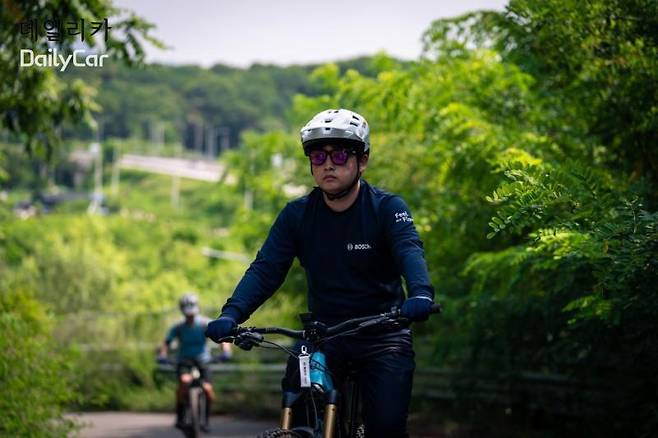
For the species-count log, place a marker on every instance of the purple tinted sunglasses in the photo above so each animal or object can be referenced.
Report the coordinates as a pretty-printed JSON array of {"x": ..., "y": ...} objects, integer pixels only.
[{"x": 338, "y": 156}]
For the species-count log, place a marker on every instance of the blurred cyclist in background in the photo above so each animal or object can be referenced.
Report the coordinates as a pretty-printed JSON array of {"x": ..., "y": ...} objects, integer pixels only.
[{"x": 192, "y": 351}]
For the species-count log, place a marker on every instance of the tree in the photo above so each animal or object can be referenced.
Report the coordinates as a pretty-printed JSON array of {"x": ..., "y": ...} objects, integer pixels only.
[
  {"x": 596, "y": 63},
  {"x": 574, "y": 292},
  {"x": 35, "y": 102}
]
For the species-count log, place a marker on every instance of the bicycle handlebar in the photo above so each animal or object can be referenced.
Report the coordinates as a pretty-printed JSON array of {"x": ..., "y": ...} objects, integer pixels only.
[
  {"x": 297, "y": 334},
  {"x": 254, "y": 334}
]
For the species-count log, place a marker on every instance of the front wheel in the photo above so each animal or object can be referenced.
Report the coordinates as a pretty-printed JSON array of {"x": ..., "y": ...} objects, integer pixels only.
[
  {"x": 195, "y": 412},
  {"x": 279, "y": 433}
]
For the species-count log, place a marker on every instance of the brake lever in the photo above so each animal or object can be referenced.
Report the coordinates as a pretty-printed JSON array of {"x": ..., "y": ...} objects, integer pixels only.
[
  {"x": 235, "y": 334},
  {"x": 248, "y": 340}
]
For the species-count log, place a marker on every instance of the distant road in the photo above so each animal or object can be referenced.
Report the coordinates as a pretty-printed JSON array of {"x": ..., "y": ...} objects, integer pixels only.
[
  {"x": 194, "y": 169},
  {"x": 132, "y": 424},
  {"x": 202, "y": 170}
]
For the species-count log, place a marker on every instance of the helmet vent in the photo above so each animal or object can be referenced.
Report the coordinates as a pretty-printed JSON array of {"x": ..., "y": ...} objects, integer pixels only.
[{"x": 336, "y": 124}]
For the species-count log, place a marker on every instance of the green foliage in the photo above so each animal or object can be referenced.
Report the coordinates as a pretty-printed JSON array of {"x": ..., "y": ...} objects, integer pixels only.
[
  {"x": 572, "y": 196},
  {"x": 263, "y": 165},
  {"x": 595, "y": 66},
  {"x": 602, "y": 61},
  {"x": 35, "y": 373},
  {"x": 570, "y": 280},
  {"x": 185, "y": 99},
  {"x": 112, "y": 283}
]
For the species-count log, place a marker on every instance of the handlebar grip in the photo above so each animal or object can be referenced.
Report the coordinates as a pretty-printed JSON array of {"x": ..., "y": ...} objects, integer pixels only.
[
  {"x": 436, "y": 308},
  {"x": 165, "y": 361}
]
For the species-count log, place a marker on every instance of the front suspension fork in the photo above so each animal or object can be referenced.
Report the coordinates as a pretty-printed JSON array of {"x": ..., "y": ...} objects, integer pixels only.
[
  {"x": 289, "y": 399},
  {"x": 330, "y": 411}
]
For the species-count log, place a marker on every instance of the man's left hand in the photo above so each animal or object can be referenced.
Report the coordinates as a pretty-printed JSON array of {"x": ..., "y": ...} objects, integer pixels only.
[{"x": 416, "y": 308}]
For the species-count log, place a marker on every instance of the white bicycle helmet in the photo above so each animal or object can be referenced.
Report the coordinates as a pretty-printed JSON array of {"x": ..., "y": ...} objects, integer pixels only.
[
  {"x": 189, "y": 304},
  {"x": 340, "y": 125}
]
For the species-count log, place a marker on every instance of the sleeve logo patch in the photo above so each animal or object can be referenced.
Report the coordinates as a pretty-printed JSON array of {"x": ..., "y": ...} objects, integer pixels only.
[{"x": 403, "y": 216}]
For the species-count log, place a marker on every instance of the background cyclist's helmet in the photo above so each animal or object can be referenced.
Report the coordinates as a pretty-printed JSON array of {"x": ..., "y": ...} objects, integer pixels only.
[
  {"x": 189, "y": 304},
  {"x": 340, "y": 126}
]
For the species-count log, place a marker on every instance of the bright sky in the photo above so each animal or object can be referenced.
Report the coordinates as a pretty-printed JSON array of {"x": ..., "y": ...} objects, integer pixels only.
[{"x": 241, "y": 32}]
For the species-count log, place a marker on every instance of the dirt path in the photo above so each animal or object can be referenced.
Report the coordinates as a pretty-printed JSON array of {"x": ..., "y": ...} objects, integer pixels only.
[{"x": 131, "y": 424}]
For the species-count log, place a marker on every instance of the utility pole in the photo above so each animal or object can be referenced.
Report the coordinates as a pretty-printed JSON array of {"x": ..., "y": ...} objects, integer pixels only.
[
  {"x": 96, "y": 204},
  {"x": 97, "y": 196},
  {"x": 116, "y": 170},
  {"x": 211, "y": 141},
  {"x": 248, "y": 194},
  {"x": 225, "y": 142},
  {"x": 175, "y": 183},
  {"x": 198, "y": 138},
  {"x": 157, "y": 135}
]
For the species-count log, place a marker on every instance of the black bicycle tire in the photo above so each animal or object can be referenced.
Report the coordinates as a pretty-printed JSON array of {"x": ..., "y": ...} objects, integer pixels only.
[
  {"x": 202, "y": 406},
  {"x": 279, "y": 433},
  {"x": 195, "y": 420}
]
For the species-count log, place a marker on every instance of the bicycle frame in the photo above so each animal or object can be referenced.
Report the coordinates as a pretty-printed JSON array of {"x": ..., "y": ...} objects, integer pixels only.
[{"x": 315, "y": 377}]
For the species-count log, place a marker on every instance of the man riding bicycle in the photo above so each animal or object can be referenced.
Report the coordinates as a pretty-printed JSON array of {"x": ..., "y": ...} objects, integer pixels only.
[
  {"x": 355, "y": 243},
  {"x": 192, "y": 351}
]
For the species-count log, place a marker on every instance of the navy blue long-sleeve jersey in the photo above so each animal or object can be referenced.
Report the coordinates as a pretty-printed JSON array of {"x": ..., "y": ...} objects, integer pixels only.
[{"x": 353, "y": 259}]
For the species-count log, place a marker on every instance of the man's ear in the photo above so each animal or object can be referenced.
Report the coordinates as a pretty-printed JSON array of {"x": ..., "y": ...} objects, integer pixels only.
[{"x": 363, "y": 162}]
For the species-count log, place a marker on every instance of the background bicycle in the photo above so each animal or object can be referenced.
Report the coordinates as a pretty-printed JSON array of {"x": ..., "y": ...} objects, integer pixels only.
[{"x": 195, "y": 418}]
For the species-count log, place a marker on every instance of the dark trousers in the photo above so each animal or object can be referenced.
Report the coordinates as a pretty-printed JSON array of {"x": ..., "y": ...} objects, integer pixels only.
[{"x": 384, "y": 366}]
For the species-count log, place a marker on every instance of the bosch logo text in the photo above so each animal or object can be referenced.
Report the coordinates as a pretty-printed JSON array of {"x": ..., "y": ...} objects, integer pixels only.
[{"x": 355, "y": 246}]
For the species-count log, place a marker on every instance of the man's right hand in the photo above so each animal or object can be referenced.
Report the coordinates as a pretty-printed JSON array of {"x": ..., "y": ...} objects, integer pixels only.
[{"x": 220, "y": 328}]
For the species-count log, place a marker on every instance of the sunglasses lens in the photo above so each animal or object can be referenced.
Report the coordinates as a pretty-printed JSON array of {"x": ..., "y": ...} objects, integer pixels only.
[
  {"x": 340, "y": 156},
  {"x": 318, "y": 157}
]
